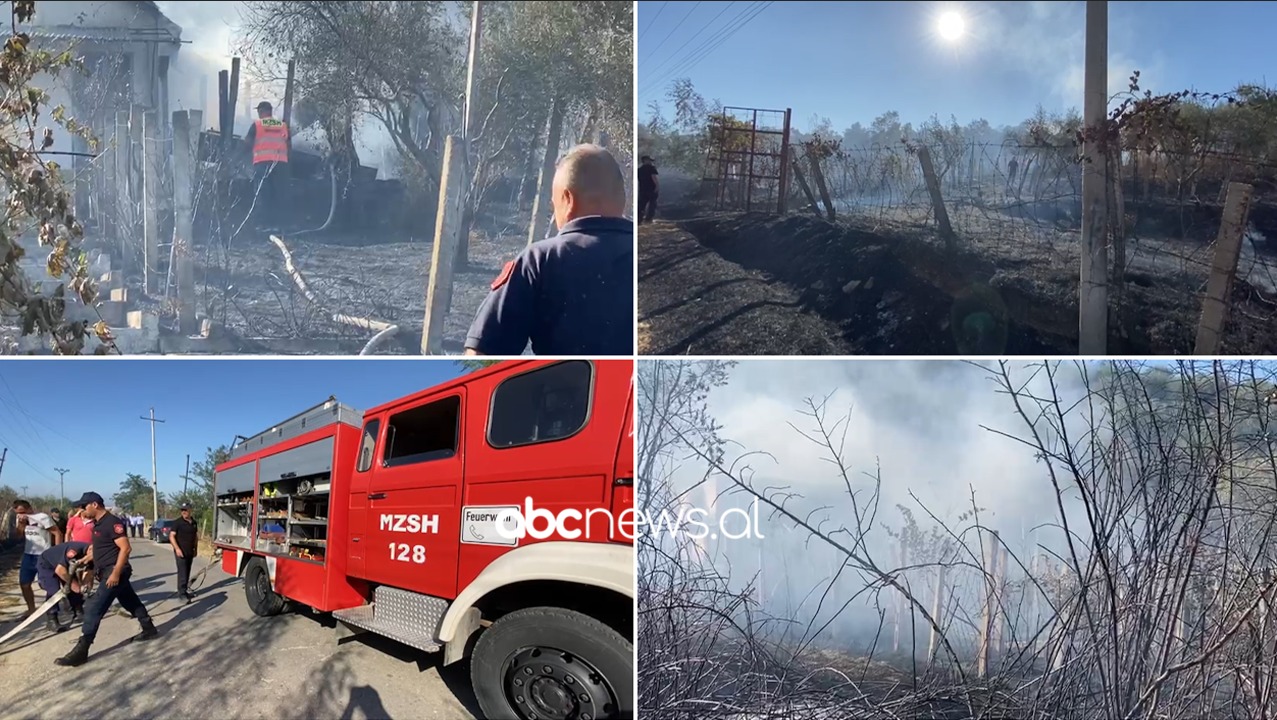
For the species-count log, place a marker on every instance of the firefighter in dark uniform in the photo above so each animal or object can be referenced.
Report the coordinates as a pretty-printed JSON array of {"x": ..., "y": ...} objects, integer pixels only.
[
  {"x": 648, "y": 190},
  {"x": 184, "y": 538},
  {"x": 110, "y": 555},
  {"x": 572, "y": 294},
  {"x": 53, "y": 571}
]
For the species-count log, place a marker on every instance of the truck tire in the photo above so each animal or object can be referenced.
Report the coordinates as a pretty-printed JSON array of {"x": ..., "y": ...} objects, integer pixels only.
[
  {"x": 262, "y": 600},
  {"x": 553, "y": 664}
]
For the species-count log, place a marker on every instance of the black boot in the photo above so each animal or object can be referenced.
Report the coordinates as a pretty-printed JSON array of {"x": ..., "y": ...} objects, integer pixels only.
[
  {"x": 148, "y": 631},
  {"x": 78, "y": 655},
  {"x": 51, "y": 623}
]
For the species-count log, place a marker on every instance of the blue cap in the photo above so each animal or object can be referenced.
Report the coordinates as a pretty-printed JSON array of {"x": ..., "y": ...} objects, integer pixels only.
[{"x": 90, "y": 497}]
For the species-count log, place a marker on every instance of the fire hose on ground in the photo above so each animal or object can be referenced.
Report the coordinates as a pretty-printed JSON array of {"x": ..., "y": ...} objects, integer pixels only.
[{"x": 193, "y": 584}]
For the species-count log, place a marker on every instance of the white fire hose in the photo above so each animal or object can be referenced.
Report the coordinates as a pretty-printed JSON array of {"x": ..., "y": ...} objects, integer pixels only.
[{"x": 74, "y": 569}]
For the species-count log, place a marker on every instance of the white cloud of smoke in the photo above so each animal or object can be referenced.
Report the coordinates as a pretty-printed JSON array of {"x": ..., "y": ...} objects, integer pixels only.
[
  {"x": 928, "y": 428},
  {"x": 1049, "y": 38}
]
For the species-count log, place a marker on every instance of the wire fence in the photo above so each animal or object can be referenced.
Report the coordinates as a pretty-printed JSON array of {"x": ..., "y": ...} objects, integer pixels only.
[{"x": 1031, "y": 196}]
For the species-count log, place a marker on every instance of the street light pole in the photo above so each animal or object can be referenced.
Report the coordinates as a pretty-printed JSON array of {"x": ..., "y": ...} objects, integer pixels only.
[
  {"x": 155, "y": 483},
  {"x": 62, "y": 486}
]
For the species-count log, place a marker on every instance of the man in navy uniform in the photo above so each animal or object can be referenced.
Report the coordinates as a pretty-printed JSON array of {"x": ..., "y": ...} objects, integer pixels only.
[
  {"x": 572, "y": 294},
  {"x": 110, "y": 555},
  {"x": 185, "y": 541},
  {"x": 54, "y": 571}
]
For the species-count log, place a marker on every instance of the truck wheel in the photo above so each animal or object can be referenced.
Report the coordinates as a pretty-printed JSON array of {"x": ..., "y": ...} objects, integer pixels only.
[
  {"x": 262, "y": 600},
  {"x": 553, "y": 664}
]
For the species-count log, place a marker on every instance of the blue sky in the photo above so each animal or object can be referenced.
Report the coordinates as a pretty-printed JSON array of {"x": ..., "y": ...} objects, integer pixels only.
[
  {"x": 85, "y": 415},
  {"x": 852, "y": 61}
]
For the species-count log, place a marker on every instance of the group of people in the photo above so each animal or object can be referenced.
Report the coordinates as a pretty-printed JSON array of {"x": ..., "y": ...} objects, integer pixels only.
[{"x": 91, "y": 555}]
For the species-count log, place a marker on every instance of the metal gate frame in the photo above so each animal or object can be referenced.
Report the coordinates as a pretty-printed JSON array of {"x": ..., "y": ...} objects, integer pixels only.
[{"x": 723, "y": 157}]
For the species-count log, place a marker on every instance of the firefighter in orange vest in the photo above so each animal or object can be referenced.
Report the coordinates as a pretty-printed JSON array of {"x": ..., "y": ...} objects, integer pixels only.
[{"x": 267, "y": 140}]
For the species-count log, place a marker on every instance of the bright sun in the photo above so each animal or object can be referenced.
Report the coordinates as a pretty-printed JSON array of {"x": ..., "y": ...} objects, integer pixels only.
[{"x": 952, "y": 26}]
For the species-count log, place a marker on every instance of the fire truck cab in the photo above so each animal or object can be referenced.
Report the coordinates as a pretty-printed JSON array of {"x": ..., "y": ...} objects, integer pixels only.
[{"x": 490, "y": 517}]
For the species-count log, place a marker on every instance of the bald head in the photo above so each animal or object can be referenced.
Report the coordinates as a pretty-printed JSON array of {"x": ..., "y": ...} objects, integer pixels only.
[{"x": 588, "y": 181}]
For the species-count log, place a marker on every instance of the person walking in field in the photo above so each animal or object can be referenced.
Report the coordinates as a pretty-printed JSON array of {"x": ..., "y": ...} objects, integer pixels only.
[{"x": 648, "y": 190}]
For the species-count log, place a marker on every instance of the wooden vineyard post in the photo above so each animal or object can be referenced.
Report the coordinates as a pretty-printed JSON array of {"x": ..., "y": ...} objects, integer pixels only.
[
  {"x": 937, "y": 199},
  {"x": 1228, "y": 245}
]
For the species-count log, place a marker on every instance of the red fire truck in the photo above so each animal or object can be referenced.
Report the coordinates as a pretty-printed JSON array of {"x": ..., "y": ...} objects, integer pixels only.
[{"x": 428, "y": 520}]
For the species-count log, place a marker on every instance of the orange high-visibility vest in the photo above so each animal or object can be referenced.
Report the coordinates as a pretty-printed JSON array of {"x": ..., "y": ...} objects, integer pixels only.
[{"x": 270, "y": 141}]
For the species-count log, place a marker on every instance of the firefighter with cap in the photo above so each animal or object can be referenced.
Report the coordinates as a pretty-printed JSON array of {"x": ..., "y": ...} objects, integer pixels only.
[
  {"x": 59, "y": 567},
  {"x": 109, "y": 552},
  {"x": 268, "y": 141},
  {"x": 574, "y": 293},
  {"x": 185, "y": 541}
]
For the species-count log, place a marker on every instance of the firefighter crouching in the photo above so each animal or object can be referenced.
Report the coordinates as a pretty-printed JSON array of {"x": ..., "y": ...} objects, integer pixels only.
[
  {"x": 267, "y": 140},
  {"x": 110, "y": 554},
  {"x": 58, "y": 567}
]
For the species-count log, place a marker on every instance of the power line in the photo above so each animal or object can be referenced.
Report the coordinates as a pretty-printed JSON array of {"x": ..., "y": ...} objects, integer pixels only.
[
  {"x": 711, "y": 44},
  {"x": 675, "y": 27},
  {"x": 26, "y": 462},
  {"x": 714, "y": 42},
  {"x": 29, "y": 416},
  {"x": 13, "y": 408},
  {"x": 705, "y": 27},
  {"x": 652, "y": 22}
]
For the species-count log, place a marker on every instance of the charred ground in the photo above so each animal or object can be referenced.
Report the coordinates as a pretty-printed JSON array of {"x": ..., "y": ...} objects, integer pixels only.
[{"x": 751, "y": 283}]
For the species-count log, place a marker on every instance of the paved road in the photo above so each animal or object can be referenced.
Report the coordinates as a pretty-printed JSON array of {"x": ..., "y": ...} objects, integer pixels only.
[{"x": 216, "y": 659}]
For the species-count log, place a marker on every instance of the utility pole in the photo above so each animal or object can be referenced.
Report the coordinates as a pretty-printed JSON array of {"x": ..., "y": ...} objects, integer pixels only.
[
  {"x": 62, "y": 485},
  {"x": 1093, "y": 311},
  {"x": 24, "y": 490},
  {"x": 155, "y": 483},
  {"x": 472, "y": 62},
  {"x": 186, "y": 476},
  {"x": 3, "y": 454}
]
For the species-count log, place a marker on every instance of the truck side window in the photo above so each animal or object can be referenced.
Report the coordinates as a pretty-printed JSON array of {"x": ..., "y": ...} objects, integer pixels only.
[
  {"x": 423, "y": 434},
  {"x": 368, "y": 446},
  {"x": 544, "y": 405}
]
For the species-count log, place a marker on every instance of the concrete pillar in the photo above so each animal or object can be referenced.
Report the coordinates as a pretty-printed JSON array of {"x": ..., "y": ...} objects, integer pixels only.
[
  {"x": 183, "y": 185},
  {"x": 152, "y": 165},
  {"x": 1093, "y": 278}
]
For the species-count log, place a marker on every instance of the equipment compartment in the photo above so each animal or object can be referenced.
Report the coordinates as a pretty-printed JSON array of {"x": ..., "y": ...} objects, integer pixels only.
[
  {"x": 233, "y": 500},
  {"x": 292, "y": 517}
]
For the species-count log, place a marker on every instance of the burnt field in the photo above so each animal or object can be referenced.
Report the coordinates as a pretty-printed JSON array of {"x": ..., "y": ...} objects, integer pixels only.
[
  {"x": 882, "y": 284},
  {"x": 249, "y": 290}
]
